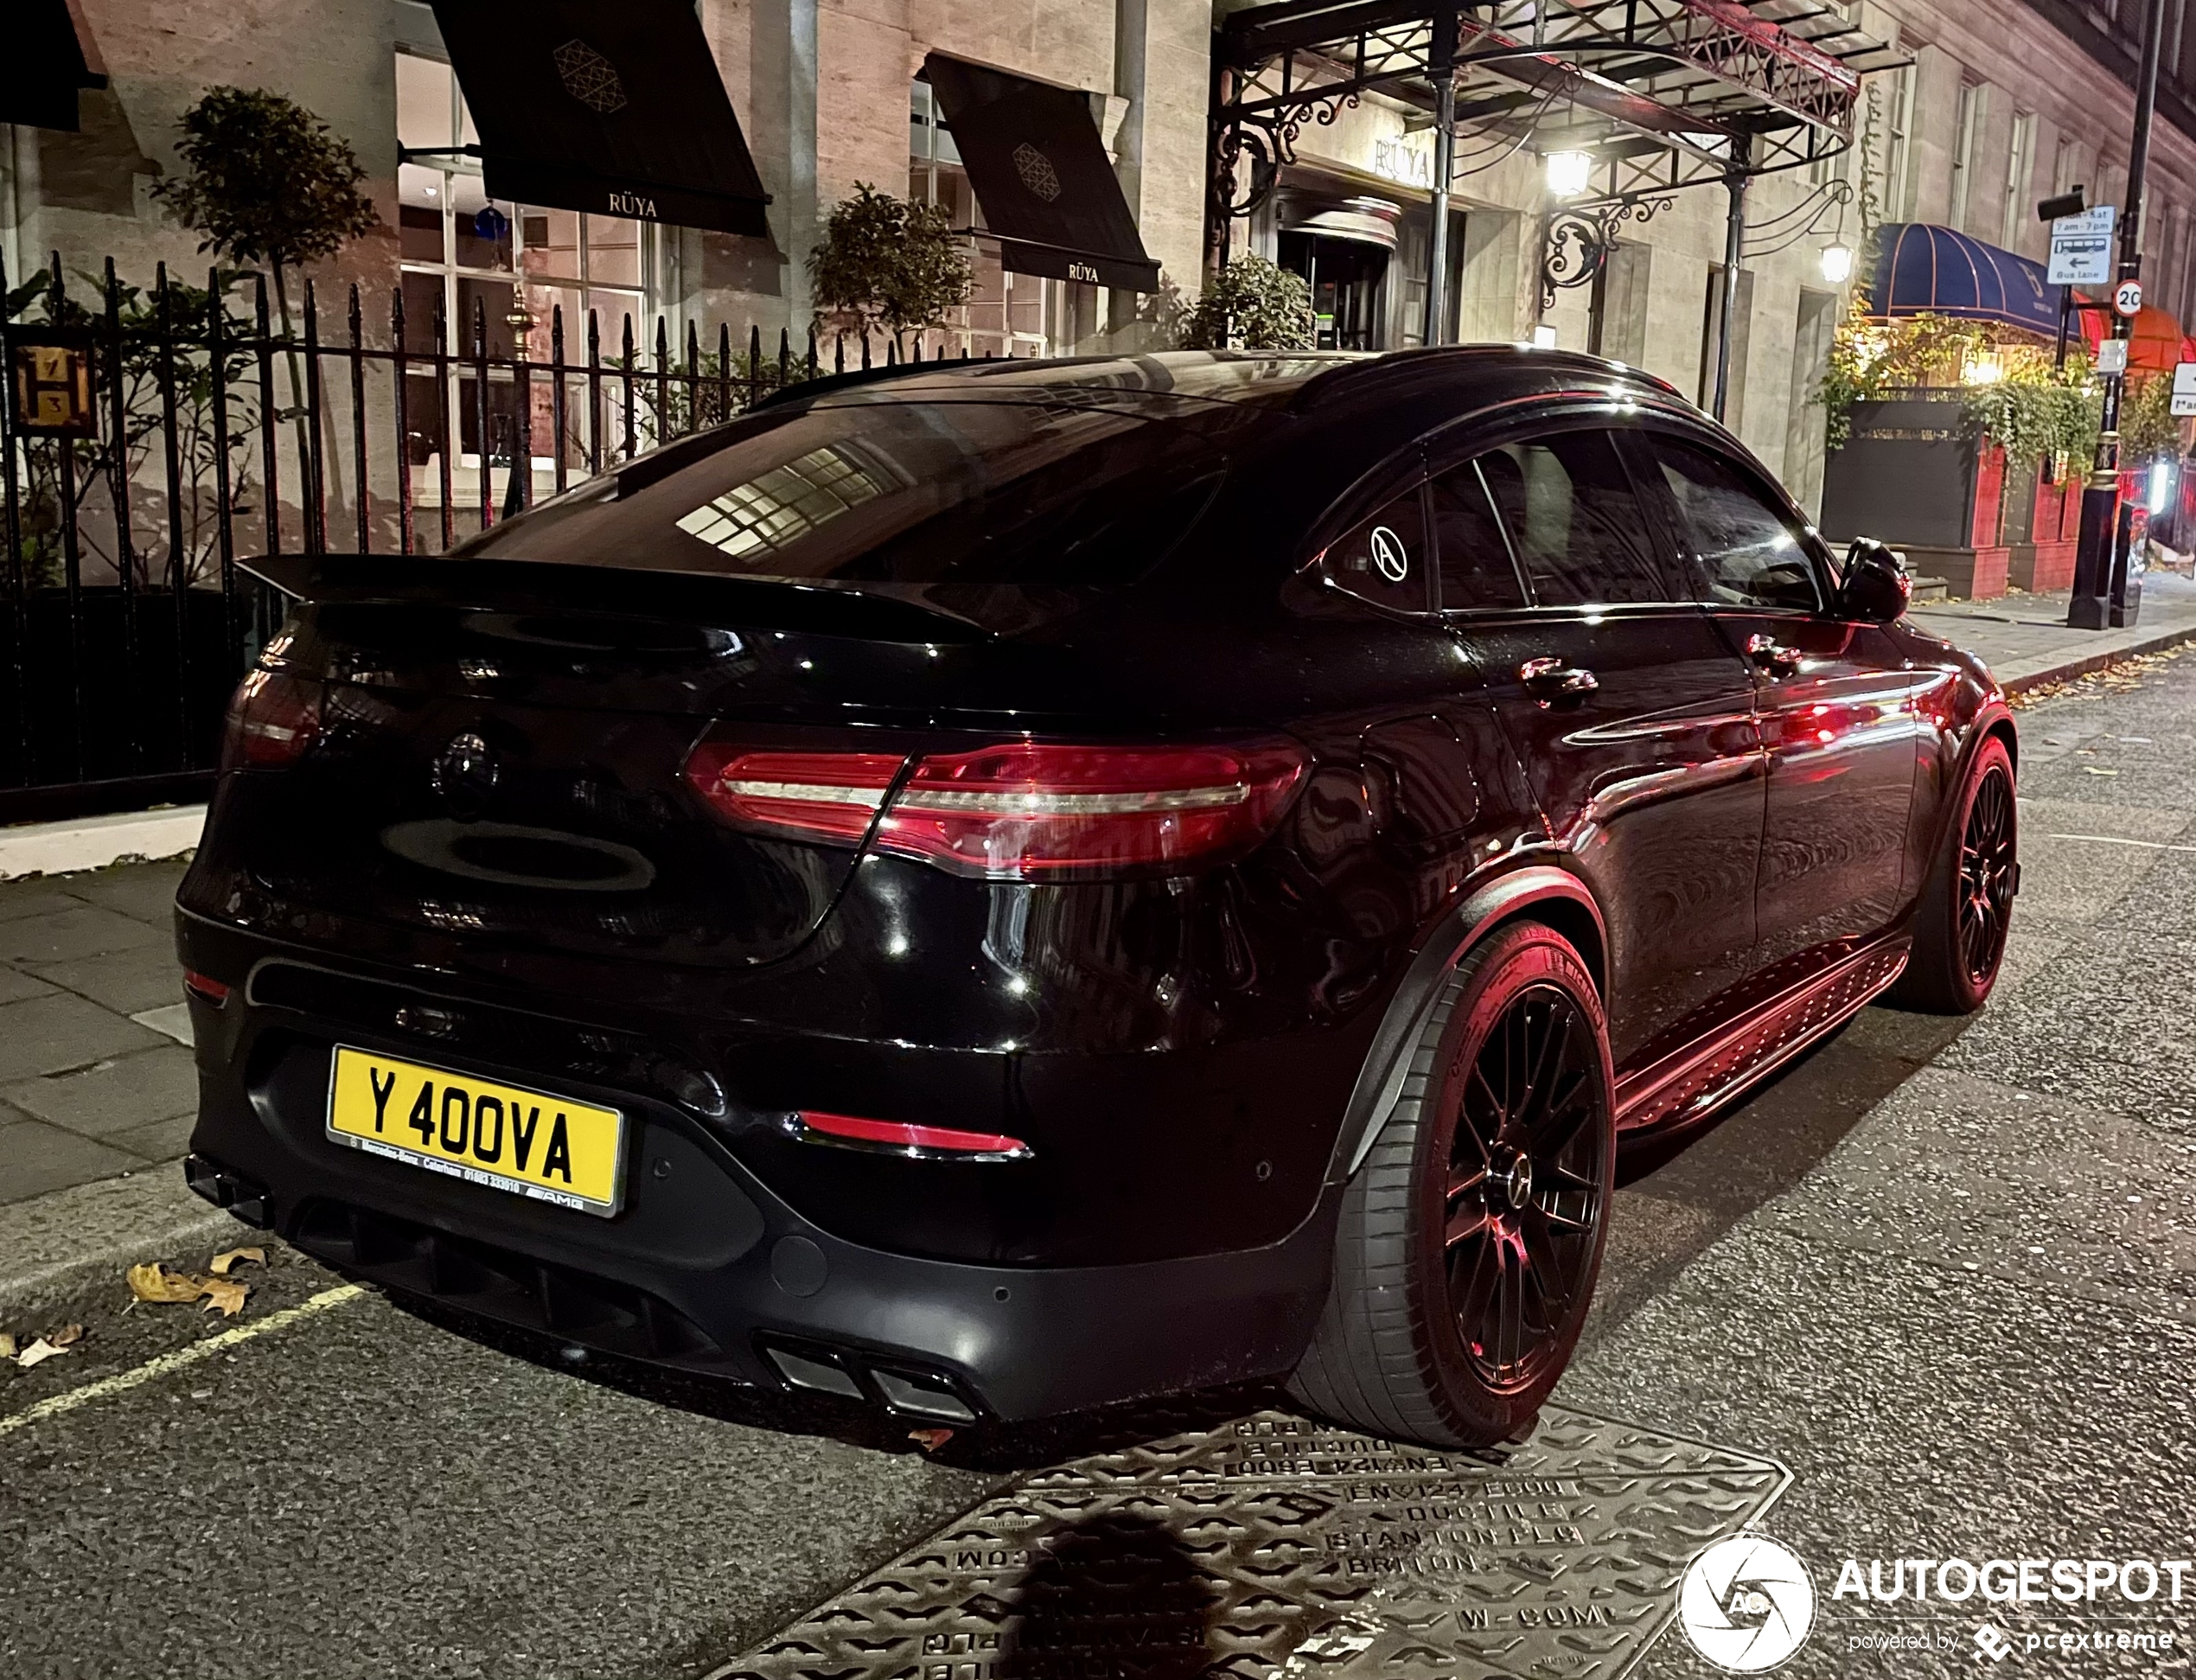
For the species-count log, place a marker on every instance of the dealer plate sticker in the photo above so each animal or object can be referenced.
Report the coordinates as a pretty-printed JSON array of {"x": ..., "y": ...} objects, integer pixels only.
[{"x": 507, "y": 1137}]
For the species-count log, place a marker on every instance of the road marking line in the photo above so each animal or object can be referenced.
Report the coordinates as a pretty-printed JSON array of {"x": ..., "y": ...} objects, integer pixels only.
[
  {"x": 2117, "y": 839},
  {"x": 54, "y": 1405}
]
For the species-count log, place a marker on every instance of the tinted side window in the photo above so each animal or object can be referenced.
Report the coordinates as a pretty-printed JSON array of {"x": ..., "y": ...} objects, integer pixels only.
[
  {"x": 1749, "y": 556},
  {"x": 1579, "y": 533},
  {"x": 1477, "y": 570},
  {"x": 1384, "y": 558}
]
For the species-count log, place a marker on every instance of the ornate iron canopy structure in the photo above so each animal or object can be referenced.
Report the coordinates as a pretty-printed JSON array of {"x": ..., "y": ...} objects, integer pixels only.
[{"x": 1660, "y": 94}]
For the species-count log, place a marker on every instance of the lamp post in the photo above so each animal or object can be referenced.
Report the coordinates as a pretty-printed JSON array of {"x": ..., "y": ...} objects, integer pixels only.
[{"x": 2101, "y": 593}]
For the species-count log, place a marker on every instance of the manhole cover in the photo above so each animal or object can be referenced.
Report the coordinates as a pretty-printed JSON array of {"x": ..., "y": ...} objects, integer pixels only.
[{"x": 1274, "y": 1546}]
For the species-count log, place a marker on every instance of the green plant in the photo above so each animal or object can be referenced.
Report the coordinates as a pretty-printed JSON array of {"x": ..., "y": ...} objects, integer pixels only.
[
  {"x": 2032, "y": 418},
  {"x": 1252, "y": 304},
  {"x": 265, "y": 181},
  {"x": 889, "y": 262},
  {"x": 2147, "y": 426}
]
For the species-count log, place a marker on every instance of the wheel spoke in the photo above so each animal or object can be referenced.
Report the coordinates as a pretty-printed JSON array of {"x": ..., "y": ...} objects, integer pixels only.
[
  {"x": 1540, "y": 1251},
  {"x": 1466, "y": 1222}
]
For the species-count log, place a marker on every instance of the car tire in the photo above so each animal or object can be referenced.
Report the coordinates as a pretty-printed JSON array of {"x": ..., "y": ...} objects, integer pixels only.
[
  {"x": 1967, "y": 905},
  {"x": 1444, "y": 1240}
]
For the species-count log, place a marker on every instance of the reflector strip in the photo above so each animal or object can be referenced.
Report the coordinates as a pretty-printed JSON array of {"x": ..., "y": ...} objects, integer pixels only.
[
  {"x": 809, "y": 793},
  {"x": 1020, "y": 804},
  {"x": 917, "y": 1141},
  {"x": 212, "y": 990}
]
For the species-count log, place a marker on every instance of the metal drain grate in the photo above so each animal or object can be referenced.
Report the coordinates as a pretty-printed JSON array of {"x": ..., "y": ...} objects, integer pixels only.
[{"x": 1276, "y": 1547}]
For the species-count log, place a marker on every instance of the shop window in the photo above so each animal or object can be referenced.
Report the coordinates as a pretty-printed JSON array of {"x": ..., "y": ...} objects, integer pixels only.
[
  {"x": 1007, "y": 314},
  {"x": 496, "y": 273}
]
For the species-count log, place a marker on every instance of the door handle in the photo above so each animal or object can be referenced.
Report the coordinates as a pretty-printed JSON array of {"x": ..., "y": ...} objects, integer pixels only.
[
  {"x": 1548, "y": 680},
  {"x": 1772, "y": 655}
]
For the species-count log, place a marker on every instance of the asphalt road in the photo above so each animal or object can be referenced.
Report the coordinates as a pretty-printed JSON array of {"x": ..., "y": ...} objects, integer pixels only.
[{"x": 1943, "y": 1271}]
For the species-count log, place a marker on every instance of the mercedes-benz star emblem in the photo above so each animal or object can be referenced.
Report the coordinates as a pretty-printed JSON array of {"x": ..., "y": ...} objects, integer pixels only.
[{"x": 464, "y": 775}]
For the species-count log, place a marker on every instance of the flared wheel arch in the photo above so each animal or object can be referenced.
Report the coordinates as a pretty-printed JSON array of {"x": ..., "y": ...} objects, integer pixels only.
[{"x": 1540, "y": 893}]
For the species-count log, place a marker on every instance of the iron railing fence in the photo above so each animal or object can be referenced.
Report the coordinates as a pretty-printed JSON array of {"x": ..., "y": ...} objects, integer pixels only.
[{"x": 209, "y": 426}]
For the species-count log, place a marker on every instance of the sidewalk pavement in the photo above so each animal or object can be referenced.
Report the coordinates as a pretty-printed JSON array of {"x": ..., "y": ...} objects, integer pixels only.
[
  {"x": 2027, "y": 642},
  {"x": 96, "y": 1078}
]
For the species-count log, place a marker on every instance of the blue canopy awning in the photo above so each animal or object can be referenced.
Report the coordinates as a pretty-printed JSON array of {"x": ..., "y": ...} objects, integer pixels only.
[{"x": 1923, "y": 269}]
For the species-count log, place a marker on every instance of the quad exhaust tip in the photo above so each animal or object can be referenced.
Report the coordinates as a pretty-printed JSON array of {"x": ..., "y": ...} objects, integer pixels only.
[
  {"x": 231, "y": 1191},
  {"x": 908, "y": 1390}
]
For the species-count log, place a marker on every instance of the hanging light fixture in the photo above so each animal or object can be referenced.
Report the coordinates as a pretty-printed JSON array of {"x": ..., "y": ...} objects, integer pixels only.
[
  {"x": 1837, "y": 264},
  {"x": 1543, "y": 337},
  {"x": 1569, "y": 173}
]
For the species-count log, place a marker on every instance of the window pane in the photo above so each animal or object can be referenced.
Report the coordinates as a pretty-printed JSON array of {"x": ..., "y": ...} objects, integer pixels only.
[
  {"x": 942, "y": 494},
  {"x": 613, "y": 252},
  {"x": 1579, "y": 531},
  {"x": 1748, "y": 555},
  {"x": 423, "y": 103},
  {"x": 1476, "y": 569},
  {"x": 1382, "y": 559}
]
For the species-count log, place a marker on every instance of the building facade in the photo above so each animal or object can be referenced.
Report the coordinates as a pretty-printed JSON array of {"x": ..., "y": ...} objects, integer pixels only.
[{"x": 1997, "y": 104}]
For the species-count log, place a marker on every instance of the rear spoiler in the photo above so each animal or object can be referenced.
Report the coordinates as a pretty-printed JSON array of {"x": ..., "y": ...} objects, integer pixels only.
[{"x": 908, "y": 613}]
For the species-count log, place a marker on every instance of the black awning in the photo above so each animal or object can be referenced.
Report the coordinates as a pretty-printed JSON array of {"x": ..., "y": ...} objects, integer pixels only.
[
  {"x": 610, "y": 106},
  {"x": 1040, "y": 171},
  {"x": 50, "y": 57}
]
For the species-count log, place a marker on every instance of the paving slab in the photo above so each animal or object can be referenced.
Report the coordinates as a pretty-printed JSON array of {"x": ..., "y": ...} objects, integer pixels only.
[
  {"x": 111, "y": 1096},
  {"x": 48, "y": 1034},
  {"x": 36, "y": 1158},
  {"x": 144, "y": 977},
  {"x": 75, "y": 930}
]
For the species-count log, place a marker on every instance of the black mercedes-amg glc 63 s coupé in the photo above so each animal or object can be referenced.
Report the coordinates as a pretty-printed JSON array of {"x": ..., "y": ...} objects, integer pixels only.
[{"x": 999, "y": 889}]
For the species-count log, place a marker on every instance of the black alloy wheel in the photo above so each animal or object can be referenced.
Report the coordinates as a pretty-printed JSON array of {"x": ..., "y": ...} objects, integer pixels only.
[
  {"x": 1523, "y": 1202},
  {"x": 1987, "y": 875},
  {"x": 1470, "y": 1235},
  {"x": 1966, "y": 906}
]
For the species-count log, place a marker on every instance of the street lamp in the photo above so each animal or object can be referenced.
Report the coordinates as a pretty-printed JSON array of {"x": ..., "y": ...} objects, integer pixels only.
[
  {"x": 1569, "y": 173},
  {"x": 1837, "y": 264}
]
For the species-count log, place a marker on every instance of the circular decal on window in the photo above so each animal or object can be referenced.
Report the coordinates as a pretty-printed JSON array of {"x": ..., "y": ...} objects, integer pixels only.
[{"x": 1389, "y": 558}]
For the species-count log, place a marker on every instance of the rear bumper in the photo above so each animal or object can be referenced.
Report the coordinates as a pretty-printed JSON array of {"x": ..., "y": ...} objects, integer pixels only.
[{"x": 706, "y": 1269}]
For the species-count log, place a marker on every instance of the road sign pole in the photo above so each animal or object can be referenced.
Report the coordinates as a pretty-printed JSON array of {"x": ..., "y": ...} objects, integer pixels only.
[{"x": 2100, "y": 595}]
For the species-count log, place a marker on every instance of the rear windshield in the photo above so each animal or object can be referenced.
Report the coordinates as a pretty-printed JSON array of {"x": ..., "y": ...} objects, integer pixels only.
[{"x": 1038, "y": 495}]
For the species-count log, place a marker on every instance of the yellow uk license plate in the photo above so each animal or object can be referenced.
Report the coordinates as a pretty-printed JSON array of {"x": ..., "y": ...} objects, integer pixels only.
[{"x": 487, "y": 1133}]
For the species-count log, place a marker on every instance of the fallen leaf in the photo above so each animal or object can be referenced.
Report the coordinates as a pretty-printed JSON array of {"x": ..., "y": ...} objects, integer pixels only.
[
  {"x": 7, "y": 1343},
  {"x": 223, "y": 1261},
  {"x": 66, "y": 1335},
  {"x": 227, "y": 1293},
  {"x": 930, "y": 1439},
  {"x": 153, "y": 1282},
  {"x": 37, "y": 1353}
]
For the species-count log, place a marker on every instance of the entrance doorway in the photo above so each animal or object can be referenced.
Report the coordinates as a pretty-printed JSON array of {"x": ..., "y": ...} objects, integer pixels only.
[
  {"x": 1343, "y": 249},
  {"x": 1345, "y": 278}
]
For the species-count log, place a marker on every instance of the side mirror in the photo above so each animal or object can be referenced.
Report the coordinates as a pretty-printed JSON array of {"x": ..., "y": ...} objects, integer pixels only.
[{"x": 1875, "y": 588}]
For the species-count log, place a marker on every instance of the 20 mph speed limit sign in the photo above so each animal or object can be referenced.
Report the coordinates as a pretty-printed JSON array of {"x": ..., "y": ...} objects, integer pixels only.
[{"x": 2127, "y": 298}]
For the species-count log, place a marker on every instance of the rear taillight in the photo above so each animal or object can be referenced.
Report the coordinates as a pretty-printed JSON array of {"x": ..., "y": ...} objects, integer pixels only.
[
  {"x": 273, "y": 718},
  {"x": 803, "y": 796},
  {"x": 1018, "y": 810},
  {"x": 1030, "y": 809}
]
